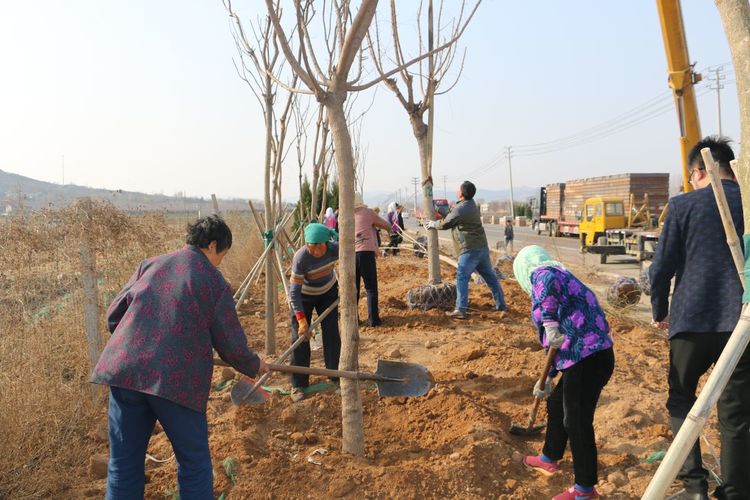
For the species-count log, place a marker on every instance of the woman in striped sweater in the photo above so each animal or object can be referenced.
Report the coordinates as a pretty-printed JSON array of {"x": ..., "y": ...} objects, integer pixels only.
[{"x": 313, "y": 286}]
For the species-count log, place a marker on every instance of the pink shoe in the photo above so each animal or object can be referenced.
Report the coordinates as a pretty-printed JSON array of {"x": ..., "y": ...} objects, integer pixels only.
[
  {"x": 574, "y": 493},
  {"x": 536, "y": 463}
]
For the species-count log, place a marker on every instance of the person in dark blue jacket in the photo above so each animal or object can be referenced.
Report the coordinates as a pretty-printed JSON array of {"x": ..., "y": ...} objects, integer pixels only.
[{"x": 705, "y": 308}]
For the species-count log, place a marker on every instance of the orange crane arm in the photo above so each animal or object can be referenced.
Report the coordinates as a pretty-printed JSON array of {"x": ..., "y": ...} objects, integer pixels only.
[{"x": 682, "y": 79}]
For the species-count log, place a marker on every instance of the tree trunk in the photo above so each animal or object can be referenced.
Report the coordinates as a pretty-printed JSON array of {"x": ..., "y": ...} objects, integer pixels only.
[
  {"x": 351, "y": 404},
  {"x": 424, "y": 144},
  {"x": 269, "y": 220},
  {"x": 314, "y": 195},
  {"x": 735, "y": 15}
]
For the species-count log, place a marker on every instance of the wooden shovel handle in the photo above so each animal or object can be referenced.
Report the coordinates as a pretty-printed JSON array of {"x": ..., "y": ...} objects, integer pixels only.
[
  {"x": 547, "y": 365},
  {"x": 291, "y": 349},
  {"x": 542, "y": 380},
  {"x": 331, "y": 373}
]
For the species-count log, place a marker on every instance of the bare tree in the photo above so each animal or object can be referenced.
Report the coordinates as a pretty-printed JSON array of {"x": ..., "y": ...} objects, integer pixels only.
[
  {"x": 438, "y": 65},
  {"x": 735, "y": 15},
  {"x": 343, "y": 34},
  {"x": 260, "y": 67}
]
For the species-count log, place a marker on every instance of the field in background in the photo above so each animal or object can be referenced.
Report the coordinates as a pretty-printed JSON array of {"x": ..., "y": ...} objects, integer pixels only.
[{"x": 46, "y": 406}]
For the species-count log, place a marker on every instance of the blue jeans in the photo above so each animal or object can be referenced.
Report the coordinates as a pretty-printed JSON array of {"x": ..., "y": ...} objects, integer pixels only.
[
  {"x": 132, "y": 416},
  {"x": 477, "y": 260}
]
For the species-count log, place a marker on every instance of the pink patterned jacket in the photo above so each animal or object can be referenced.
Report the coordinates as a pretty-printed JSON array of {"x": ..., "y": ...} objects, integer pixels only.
[{"x": 164, "y": 324}]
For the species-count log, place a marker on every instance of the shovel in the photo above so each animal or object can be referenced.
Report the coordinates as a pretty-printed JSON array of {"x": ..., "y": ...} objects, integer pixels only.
[
  {"x": 530, "y": 429},
  {"x": 394, "y": 378},
  {"x": 243, "y": 392}
]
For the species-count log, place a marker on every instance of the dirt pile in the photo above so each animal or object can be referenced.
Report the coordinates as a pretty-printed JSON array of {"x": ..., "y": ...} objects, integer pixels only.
[{"x": 453, "y": 442}]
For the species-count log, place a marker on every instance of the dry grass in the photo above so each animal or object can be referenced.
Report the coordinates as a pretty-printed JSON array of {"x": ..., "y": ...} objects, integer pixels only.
[{"x": 46, "y": 406}]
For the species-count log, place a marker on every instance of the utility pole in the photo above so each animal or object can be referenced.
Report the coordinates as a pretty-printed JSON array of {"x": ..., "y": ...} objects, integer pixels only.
[
  {"x": 445, "y": 190},
  {"x": 415, "y": 181},
  {"x": 63, "y": 170},
  {"x": 717, "y": 86},
  {"x": 510, "y": 174}
]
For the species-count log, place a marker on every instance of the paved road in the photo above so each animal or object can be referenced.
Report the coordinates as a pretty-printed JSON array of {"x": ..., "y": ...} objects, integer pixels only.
[{"x": 565, "y": 249}]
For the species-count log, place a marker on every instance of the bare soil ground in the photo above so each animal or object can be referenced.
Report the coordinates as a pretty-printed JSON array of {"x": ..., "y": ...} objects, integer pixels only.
[{"x": 453, "y": 442}]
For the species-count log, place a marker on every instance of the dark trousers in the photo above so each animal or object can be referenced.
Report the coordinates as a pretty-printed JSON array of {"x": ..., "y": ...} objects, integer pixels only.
[
  {"x": 132, "y": 416},
  {"x": 570, "y": 410},
  {"x": 367, "y": 270},
  {"x": 331, "y": 339},
  {"x": 690, "y": 356},
  {"x": 395, "y": 240}
]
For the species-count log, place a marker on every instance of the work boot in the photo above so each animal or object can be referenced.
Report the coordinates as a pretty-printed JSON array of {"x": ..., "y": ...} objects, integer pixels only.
[
  {"x": 456, "y": 314},
  {"x": 574, "y": 493}
]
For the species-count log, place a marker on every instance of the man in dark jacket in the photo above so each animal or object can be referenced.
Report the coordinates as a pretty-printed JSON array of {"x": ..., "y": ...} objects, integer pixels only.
[
  {"x": 470, "y": 242},
  {"x": 705, "y": 308}
]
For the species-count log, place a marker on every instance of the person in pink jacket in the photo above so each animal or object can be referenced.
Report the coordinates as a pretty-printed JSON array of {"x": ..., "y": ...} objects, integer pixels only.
[
  {"x": 329, "y": 219},
  {"x": 366, "y": 223}
]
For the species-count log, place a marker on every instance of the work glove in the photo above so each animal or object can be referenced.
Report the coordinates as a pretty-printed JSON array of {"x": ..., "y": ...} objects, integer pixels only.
[
  {"x": 303, "y": 328},
  {"x": 431, "y": 224},
  {"x": 262, "y": 368},
  {"x": 555, "y": 337},
  {"x": 543, "y": 393}
]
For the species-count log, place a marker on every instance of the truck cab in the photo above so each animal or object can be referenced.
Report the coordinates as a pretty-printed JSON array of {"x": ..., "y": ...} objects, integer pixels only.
[{"x": 598, "y": 215}]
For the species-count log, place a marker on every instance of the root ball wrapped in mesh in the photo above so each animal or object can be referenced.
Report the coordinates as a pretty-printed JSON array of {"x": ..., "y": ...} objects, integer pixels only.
[
  {"x": 442, "y": 296},
  {"x": 624, "y": 292}
]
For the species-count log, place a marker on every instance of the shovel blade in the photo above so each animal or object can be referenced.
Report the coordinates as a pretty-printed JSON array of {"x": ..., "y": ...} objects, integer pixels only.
[
  {"x": 525, "y": 430},
  {"x": 241, "y": 394},
  {"x": 417, "y": 380}
]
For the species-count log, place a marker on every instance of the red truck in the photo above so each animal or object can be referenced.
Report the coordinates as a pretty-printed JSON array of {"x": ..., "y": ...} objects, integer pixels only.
[{"x": 442, "y": 207}]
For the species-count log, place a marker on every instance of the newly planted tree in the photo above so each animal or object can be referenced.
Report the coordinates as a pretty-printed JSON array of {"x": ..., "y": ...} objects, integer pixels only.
[
  {"x": 430, "y": 80},
  {"x": 260, "y": 65},
  {"x": 342, "y": 36}
]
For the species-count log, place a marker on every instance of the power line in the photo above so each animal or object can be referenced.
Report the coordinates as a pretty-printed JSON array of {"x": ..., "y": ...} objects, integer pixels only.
[{"x": 646, "y": 111}]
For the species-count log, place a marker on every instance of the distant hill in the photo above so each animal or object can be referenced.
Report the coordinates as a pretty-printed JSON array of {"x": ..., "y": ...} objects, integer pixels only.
[{"x": 18, "y": 191}]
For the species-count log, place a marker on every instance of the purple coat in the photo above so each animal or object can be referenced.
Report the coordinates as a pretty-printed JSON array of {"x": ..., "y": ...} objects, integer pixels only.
[
  {"x": 558, "y": 297},
  {"x": 165, "y": 322}
]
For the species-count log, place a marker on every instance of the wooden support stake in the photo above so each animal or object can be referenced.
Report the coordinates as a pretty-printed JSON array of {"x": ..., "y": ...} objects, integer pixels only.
[
  {"x": 726, "y": 215},
  {"x": 90, "y": 290},
  {"x": 216, "y": 205}
]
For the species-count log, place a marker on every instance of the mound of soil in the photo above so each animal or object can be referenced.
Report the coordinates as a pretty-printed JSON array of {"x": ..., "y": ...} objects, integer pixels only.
[{"x": 453, "y": 442}]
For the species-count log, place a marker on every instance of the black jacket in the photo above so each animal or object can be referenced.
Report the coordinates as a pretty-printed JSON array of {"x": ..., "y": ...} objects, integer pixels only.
[{"x": 693, "y": 248}]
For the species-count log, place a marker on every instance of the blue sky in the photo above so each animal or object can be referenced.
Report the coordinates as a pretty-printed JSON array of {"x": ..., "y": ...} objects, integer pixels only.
[{"x": 142, "y": 95}]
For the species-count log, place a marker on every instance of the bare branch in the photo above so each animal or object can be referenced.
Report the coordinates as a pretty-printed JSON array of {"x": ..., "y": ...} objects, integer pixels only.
[
  {"x": 458, "y": 77},
  {"x": 305, "y": 46},
  {"x": 354, "y": 38},
  {"x": 306, "y": 78},
  {"x": 447, "y": 44},
  {"x": 397, "y": 44}
]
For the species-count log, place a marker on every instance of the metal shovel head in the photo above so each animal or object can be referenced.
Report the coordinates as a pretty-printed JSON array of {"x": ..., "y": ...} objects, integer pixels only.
[
  {"x": 524, "y": 430},
  {"x": 416, "y": 380},
  {"x": 241, "y": 394}
]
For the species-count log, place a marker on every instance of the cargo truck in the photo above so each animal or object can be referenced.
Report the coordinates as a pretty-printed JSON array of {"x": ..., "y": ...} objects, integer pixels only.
[{"x": 611, "y": 215}]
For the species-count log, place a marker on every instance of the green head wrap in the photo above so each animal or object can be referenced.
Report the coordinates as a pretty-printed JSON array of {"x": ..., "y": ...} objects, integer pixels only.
[
  {"x": 318, "y": 233},
  {"x": 528, "y": 259}
]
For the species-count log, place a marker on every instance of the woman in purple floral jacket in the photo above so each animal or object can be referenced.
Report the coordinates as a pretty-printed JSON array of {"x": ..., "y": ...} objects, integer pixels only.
[
  {"x": 165, "y": 323},
  {"x": 568, "y": 317}
]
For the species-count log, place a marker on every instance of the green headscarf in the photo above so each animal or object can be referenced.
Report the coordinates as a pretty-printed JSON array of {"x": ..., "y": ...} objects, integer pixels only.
[
  {"x": 528, "y": 259},
  {"x": 318, "y": 233}
]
